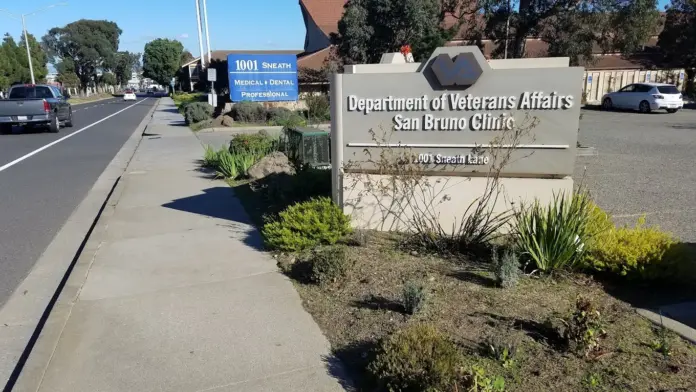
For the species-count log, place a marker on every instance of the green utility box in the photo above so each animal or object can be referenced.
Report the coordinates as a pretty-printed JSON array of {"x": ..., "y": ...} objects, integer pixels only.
[{"x": 309, "y": 146}]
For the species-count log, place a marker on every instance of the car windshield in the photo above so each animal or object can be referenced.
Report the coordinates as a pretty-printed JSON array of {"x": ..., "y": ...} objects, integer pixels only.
[
  {"x": 668, "y": 89},
  {"x": 24, "y": 92}
]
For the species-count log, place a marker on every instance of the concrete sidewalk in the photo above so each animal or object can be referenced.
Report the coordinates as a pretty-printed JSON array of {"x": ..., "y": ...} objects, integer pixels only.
[{"x": 178, "y": 296}]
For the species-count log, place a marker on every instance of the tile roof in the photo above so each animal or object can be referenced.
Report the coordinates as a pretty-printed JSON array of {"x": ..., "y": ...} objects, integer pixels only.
[
  {"x": 313, "y": 60},
  {"x": 325, "y": 13}
]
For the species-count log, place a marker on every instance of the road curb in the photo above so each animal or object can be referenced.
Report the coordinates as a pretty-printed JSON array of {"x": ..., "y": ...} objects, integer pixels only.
[{"x": 34, "y": 316}]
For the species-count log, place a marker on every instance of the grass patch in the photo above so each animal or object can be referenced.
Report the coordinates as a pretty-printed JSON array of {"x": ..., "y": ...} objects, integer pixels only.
[{"x": 91, "y": 98}]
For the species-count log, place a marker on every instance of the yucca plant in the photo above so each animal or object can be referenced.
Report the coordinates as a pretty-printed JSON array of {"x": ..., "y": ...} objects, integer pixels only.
[
  {"x": 553, "y": 236},
  {"x": 245, "y": 161},
  {"x": 210, "y": 157},
  {"x": 227, "y": 166}
]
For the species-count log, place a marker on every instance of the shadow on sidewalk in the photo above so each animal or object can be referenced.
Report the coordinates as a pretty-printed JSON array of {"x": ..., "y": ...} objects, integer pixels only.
[{"x": 220, "y": 203}]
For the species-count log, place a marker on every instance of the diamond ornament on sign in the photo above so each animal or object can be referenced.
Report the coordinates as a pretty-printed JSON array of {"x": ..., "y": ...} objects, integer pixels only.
[{"x": 464, "y": 70}]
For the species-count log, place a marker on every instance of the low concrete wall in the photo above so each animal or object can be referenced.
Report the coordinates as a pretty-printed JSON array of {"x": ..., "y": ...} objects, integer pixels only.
[{"x": 380, "y": 202}]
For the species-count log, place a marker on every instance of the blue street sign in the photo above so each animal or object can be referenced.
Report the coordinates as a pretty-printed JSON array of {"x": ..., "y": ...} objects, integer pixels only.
[{"x": 262, "y": 77}]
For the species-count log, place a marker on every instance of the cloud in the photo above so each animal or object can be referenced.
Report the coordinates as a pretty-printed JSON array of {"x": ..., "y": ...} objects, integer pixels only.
[
  {"x": 183, "y": 36},
  {"x": 271, "y": 44}
]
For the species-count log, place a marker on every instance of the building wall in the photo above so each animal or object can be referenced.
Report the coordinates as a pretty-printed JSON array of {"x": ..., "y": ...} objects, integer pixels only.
[
  {"x": 596, "y": 83},
  {"x": 315, "y": 39}
]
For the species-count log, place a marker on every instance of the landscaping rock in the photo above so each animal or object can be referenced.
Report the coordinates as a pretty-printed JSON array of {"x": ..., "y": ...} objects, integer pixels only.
[
  {"x": 227, "y": 121},
  {"x": 276, "y": 162}
]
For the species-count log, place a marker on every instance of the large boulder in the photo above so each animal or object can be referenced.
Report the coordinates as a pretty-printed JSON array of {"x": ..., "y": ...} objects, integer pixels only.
[
  {"x": 227, "y": 121},
  {"x": 275, "y": 162}
]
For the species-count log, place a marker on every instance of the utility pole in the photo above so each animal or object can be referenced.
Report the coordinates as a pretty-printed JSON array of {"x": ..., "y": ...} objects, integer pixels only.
[
  {"x": 24, "y": 32},
  {"x": 26, "y": 42},
  {"x": 207, "y": 35},
  {"x": 200, "y": 33}
]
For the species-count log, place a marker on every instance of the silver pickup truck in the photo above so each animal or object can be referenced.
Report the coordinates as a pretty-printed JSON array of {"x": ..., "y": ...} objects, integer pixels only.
[{"x": 31, "y": 105}]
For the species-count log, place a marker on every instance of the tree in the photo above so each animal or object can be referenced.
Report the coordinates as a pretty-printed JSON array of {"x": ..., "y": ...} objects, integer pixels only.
[
  {"x": 9, "y": 65},
  {"x": 39, "y": 59},
  {"x": 14, "y": 65},
  {"x": 89, "y": 44},
  {"x": 571, "y": 28},
  {"x": 107, "y": 78},
  {"x": 125, "y": 65},
  {"x": 66, "y": 74},
  {"x": 162, "y": 59},
  {"x": 186, "y": 57},
  {"x": 678, "y": 39},
  {"x": 370, "y": 28}
]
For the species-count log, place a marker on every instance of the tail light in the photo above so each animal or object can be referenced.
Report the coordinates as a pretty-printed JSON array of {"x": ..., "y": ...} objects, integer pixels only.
[
  {"x": 47, "y": 106},
  {"x": 658, "y": 96}
]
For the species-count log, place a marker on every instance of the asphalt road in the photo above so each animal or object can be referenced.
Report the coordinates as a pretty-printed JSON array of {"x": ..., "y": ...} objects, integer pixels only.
[
  {"x": 645, "y": 165},
  {"x": 39, "y": 193}
]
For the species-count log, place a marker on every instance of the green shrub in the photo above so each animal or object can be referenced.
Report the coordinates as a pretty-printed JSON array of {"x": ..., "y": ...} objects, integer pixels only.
[
  {"x": 276, "y": 115},
  {"x": 183, "y": 99},
  {"x": 506, "y": 268},
  {"x": 553, "y": 236},
  {"x": 476, "y": 380},
  {"x": 584, "y": 328},
  {"x": 255, "y": 143},
  {"x": 417, "y": 358},
  {"x": 196, "y": 112},
  {"x": 495, "y": 348},
  {"x": 318, "y": 107},
  {"x": 640, "y": 252},
  {"x": 283, "y": 190},
  {"x": 249, "y": 112},
  {"x": 413, "y": 297},
  {"x": 304, "y": 225},
  {"x": 329, "y": 263}
]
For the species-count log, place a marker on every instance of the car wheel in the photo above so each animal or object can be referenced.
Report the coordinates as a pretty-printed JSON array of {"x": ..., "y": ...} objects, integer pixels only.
[
  {"x": 672, "y": 110},
  {"x": 5, "y": 129},
  {"x": 607, "y": 104},
  {"x": 644, "y": 107},
  {"x": 54, "y": 125},
  {"x": 68, "y": 122}
]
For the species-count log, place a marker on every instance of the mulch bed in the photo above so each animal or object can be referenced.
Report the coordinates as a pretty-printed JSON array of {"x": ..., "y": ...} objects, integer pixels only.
[{"x": 464, "y": 301}]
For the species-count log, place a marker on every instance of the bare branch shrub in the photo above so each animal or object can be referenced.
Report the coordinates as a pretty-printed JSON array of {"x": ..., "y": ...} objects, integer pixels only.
[{"x": 408, "y": 198}]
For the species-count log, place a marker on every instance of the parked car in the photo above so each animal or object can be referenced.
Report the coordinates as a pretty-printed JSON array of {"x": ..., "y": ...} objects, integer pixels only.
[
  {"x": 129, "y": 95},
  {"x": 645, "y": 97},
  {"x": 31, "y": 105}
]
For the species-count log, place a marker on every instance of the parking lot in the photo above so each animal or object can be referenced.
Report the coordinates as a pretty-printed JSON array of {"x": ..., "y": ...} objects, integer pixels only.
[{"x": 645, "y": 165}]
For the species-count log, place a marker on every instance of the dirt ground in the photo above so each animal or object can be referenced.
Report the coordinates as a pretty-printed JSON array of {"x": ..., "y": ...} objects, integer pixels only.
[{"x": 464, "y": 301}]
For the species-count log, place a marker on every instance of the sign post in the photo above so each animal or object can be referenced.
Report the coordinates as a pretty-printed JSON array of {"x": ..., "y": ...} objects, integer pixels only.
[
  {"x": 262, "y": 77},
  {"x": 212, "y": 78}
]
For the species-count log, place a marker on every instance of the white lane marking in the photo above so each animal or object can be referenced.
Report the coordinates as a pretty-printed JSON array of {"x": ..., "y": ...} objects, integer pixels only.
[{"x": 38, "y": 150}]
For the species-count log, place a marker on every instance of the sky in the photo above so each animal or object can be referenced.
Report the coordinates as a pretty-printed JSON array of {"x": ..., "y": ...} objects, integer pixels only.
[{"x": 233, "y": 24}]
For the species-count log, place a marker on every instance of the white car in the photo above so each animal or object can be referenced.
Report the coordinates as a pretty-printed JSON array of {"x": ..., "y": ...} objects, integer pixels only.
[
  {"x": 645, "y": 97},
  {"x": 129, "y": 96}
]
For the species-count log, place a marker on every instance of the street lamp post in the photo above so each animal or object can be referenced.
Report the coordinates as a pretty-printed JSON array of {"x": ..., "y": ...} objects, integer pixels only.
[
  {"x": 207, "y": 36},
  {"x": 24, "y": 31}
]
